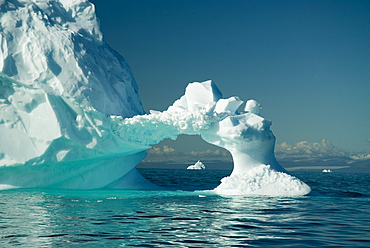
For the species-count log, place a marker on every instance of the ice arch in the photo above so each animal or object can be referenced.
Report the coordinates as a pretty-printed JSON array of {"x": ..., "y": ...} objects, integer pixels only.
[{"x": 247, "y": 136}]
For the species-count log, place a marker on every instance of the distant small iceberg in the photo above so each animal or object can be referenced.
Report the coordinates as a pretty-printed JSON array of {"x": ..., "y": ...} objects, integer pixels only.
[
  {"x": 326, "y": 170},
  {"x": 197, "y": 166}
]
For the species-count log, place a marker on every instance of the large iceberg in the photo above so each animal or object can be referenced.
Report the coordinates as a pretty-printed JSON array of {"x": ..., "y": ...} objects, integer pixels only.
[
  {"x": 60, "y": 82},
  {"x": 71, "y": 116}
]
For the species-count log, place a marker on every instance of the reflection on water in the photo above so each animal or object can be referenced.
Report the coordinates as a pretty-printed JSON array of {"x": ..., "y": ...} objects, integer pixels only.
[{"x": 41, "y": 218}]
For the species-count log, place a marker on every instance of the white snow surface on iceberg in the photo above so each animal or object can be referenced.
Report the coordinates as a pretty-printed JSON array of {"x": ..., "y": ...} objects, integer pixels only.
[
  {"x": 71, "y": 117},
  {"x": 261, "y": 180}
]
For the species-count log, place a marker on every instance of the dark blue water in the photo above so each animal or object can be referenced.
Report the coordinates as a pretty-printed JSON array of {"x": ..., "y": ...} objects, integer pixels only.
[{"x": 337, "y": 214}]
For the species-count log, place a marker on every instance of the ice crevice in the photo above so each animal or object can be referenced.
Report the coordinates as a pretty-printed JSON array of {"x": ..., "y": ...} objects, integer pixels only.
[{"x": 71, "y": 116}]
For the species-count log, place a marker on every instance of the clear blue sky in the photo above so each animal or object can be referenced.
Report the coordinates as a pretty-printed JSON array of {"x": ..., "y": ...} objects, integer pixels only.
[{"x": 306, "y": 62}]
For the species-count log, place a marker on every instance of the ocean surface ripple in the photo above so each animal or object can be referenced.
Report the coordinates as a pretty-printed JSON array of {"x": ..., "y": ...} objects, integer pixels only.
[{"x": 186, "y": 214}]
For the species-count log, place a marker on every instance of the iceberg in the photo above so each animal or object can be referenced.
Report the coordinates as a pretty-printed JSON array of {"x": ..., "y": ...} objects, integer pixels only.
[
  {"x": 197, "y": 166},
  {"x": 59, "y": 83},
  {"x": 71, "y": 116}
]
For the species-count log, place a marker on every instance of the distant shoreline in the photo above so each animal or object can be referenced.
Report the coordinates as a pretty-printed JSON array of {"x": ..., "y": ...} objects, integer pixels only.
[
  {"x": 169, "y": 165},
  {"x": 229, "y": 166}
]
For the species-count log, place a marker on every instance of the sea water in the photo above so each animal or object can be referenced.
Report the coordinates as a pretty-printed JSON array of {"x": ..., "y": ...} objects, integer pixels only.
[{"x": 186, "y": 214}]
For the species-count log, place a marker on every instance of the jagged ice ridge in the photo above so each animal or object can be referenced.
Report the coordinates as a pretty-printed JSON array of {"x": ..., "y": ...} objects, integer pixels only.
[{"x": 71, "y": 116}]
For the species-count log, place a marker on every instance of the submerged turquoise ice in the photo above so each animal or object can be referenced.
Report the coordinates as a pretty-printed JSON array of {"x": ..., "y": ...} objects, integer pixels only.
[{"x": 71, "y": 116}]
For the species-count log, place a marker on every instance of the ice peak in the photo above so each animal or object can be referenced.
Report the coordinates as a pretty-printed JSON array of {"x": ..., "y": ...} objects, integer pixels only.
[
  {"x": 56, "y": 45},
  {"x": 252, "y": 106},
  {"x": 69, "y": 14}
]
